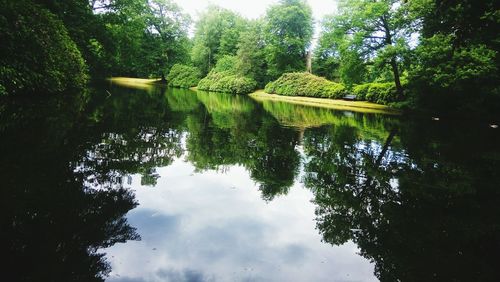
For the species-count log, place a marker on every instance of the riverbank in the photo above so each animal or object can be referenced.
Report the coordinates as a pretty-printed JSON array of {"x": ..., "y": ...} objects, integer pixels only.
[
  {"x": 261, "y": 95},
  {"x": 336, "y": 104},
  {"x": 141, "y": 83}
]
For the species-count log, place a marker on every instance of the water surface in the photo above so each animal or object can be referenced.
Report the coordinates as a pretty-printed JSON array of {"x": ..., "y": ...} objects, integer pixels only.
[{"x": 158, "y": 184}]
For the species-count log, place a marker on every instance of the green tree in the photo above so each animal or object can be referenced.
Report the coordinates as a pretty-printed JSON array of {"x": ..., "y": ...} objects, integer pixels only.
[
  {"x": 373, "y": 32},
  {"x": 37, "y": 55},
  {"x": 167, "y": 28},
  {"x": 456, "y": 78},
  {"x": 456, "y": 64},
  {"x": 251, "y": 53},
  {"x": 217, "y": 33},
  {"x": 288, "y": 34}
]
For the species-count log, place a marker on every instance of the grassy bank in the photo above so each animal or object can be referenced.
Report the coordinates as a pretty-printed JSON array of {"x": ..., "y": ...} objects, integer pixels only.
[
  {"x": 261, "y": 96},
  {"x": 355, "y": 106},
  {"x": 141, "y": 83}
]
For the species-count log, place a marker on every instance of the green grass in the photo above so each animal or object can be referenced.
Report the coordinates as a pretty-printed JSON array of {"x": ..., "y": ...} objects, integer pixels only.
[
  {"x": 139, "y": 83},
  {"x": 355, "y": 106}
]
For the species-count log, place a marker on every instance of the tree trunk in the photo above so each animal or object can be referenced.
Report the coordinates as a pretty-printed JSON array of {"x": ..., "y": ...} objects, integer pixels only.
[
  {"x": 309, "y": 62},
  {"x": 397, "y": 80},
  {"x": 394, "y": 63}
]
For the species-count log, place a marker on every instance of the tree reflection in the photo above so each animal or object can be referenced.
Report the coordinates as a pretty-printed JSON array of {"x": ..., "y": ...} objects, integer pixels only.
[
  {"x": 62, "y": 163},
  {"x": 132, "y": 132},
  {"x": 273, "y": 159},
  {"x": 420, "y": 213},
  {"x": 231, "y": 130},
  {"x": 418, "y": 200}
]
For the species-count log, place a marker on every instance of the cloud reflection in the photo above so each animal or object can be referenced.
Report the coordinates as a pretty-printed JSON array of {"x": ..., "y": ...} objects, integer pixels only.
[{"x": 223, "y": 231}]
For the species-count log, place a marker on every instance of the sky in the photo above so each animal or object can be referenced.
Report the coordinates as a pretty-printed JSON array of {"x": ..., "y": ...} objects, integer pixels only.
[{"x": 253, "y": 8}]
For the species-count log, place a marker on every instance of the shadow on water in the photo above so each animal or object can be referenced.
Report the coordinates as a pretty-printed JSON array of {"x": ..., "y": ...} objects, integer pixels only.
[
  {"x": 54, "y": 219},
  {"x": 420, "y": 199}
]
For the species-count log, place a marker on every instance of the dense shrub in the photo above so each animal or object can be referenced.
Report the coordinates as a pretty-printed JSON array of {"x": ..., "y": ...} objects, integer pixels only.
[
  {"x": 305, "y": 84},
  {"x": 361, "y": 90},
  {"x": 183, "y": 76},
  {"x": 381, "y": 93},
  {"x": 227, "y": 82},
  {"x": 452, "y": 78},
  {"x": 37, "y": 55},
  {"x": 226, "y": 63}
]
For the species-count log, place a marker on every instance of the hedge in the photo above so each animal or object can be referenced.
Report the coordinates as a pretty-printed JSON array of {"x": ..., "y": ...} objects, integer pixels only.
[
  {"x": 227, "y": 82},
  {"x": 305, "y": 84},
  {"x": 183, "y": 76},
  {"x": 381, "y": 93}
]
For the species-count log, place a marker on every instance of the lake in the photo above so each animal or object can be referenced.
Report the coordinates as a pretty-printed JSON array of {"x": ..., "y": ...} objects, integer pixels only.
[{"x": 159, "y": 184}]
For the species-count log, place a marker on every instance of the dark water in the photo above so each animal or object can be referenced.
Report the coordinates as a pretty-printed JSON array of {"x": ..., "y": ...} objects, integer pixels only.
[{"x": 174, "y": 185}]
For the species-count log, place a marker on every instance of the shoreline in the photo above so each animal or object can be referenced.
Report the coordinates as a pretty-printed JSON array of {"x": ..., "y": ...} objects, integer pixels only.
[
  {"x": 261, "y": 96},
  {"x": 336, "y": 104},
  {"x": 133, "y": 82}
]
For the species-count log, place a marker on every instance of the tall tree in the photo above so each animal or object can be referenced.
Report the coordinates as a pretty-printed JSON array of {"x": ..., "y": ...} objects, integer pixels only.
[
  {"x": 251, "y": 60},
  {"x": 288, "y": 34},
  {"x": 168, "y": 26},
  {"x": 217, "y": 33},
  {"x": 378, "y": 31}
]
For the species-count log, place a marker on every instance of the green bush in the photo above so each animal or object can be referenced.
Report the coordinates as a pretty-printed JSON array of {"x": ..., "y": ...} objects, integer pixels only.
[
  {"x": 227, "y": 82},
  {"x": 183, "y": 76},
  {"x": 305, "y": 84},
  {"x": 381, "y": 93},
  {"x": 361, "y": 90},
  {"x": 37, "y": 54},
  {"x": 226, "y": 63}
]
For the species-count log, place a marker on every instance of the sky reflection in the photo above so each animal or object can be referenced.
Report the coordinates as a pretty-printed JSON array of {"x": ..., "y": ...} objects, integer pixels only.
[{"x": 222, "y": 230}]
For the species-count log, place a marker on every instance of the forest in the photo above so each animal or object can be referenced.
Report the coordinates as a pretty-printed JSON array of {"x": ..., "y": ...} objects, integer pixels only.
[{"x": 437, "y": 56}]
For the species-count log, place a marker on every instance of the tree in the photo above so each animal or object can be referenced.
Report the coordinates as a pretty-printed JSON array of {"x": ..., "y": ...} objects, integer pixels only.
[
  {"x": 167, "y": 26},
  {"x": 288, "y": 33},
  {"x": 217, "y": 33},
  {"x": 37, "y": 54},
  {"x": 251, "y": 60},
  {"x": 377, "y": 32},
  {"x": 456, "y": 64}
]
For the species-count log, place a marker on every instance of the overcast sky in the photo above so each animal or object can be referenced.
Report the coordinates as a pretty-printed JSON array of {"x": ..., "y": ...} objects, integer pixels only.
[{"x": 253, "y": 8}]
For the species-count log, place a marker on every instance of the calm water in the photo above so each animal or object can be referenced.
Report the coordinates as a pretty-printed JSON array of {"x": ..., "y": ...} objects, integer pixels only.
[{"x": 173, "y": 185}]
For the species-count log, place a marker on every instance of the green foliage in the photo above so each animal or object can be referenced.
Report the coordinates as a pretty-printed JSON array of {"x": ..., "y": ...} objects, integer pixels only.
[
  {"x": 183, "y": 76},
  {"x": 467, "y": 75},
  {"x": 251, "y": 53},
  {"x": 227, "y": 82},
  {"x": 288, "y": 33},
  {"x": 37, "y": 55},
  {"x": 361, "y": 91},
  {"x": 442, "y": 66},
  {"x": 139, "y": 38},
  {"x": 305, "y": 84},
  {"x": 365, "y": 33},
  {"x": 216, "y": 34},
  {"x": 381, "y": 93},
  {"x": 226, "y": 63}
]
